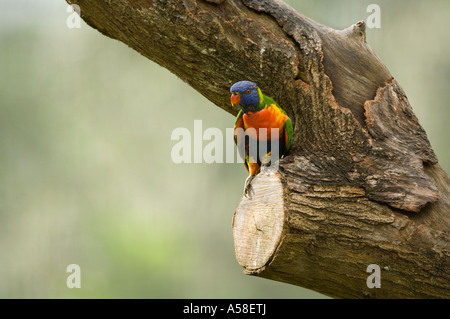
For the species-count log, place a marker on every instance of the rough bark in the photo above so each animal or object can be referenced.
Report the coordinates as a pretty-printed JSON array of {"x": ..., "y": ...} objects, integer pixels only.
[{"x": 361, "y": 184}]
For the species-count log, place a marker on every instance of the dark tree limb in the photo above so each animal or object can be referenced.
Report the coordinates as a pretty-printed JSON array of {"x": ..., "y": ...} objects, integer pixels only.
[{"x": 361, "y": 184}]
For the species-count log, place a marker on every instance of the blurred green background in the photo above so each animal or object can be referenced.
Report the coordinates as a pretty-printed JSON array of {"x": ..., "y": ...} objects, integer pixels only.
[{"x": 85, "y": 167}]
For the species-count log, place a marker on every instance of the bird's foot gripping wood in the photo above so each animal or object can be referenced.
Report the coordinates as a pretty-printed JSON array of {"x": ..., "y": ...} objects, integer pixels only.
[
  {"x": 248, "y": 189},
  {"x": 265, "y": 163}
]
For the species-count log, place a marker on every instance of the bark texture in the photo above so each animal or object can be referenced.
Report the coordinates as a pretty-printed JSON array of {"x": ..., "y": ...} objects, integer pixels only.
[{"x": 361, "y": 184}]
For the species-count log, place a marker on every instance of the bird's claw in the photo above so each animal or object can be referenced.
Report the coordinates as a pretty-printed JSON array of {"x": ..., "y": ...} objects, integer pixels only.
[
  {"x": 248, "y": 188},
  {"x": 266, "y": 163},
  {"x": 265, "y": 167}
]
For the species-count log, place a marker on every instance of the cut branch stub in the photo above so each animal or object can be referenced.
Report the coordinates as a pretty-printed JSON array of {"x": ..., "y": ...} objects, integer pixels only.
[
  {"x": 258, "y": 225},
  {"x": 328, "y": 235}
]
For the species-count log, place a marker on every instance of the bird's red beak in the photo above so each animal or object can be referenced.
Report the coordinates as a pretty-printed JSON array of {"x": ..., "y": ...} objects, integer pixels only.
[{"x": 235, "y": 99}]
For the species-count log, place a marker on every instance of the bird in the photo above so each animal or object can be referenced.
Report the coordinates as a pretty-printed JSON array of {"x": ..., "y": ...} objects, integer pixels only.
[{"x": 258, "y": 111}]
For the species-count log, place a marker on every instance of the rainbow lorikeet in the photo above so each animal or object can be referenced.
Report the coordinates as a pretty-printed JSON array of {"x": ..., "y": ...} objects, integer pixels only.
[{"x": 258, "y": 112}]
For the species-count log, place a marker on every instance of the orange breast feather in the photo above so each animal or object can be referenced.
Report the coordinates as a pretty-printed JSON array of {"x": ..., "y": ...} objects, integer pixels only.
[{"x": 271, "y": 117}]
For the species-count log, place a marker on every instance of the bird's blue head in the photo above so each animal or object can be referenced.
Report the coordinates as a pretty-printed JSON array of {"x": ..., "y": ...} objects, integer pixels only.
[{"x": 246, "y": 95}]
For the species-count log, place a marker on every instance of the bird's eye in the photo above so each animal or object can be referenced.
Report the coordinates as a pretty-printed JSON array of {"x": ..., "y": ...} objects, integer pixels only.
[{"x": 248, "y": 91}]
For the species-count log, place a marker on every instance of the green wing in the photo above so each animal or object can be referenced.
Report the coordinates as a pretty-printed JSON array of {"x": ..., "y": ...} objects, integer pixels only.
[
  {"x": 239, "y": 138},
  {"x": 238, "y": 117},
  {"x": 289, "y": 131},
  {"x": 288, "y": 128},
  {"x": 238, "y": 123}
]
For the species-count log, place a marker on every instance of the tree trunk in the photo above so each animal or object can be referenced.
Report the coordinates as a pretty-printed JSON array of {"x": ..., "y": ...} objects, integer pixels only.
[{"x": 361, "y": 184}]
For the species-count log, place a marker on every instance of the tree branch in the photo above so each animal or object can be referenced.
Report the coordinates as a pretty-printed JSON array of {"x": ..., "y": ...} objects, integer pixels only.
[{"x": 361, "y": 184}]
